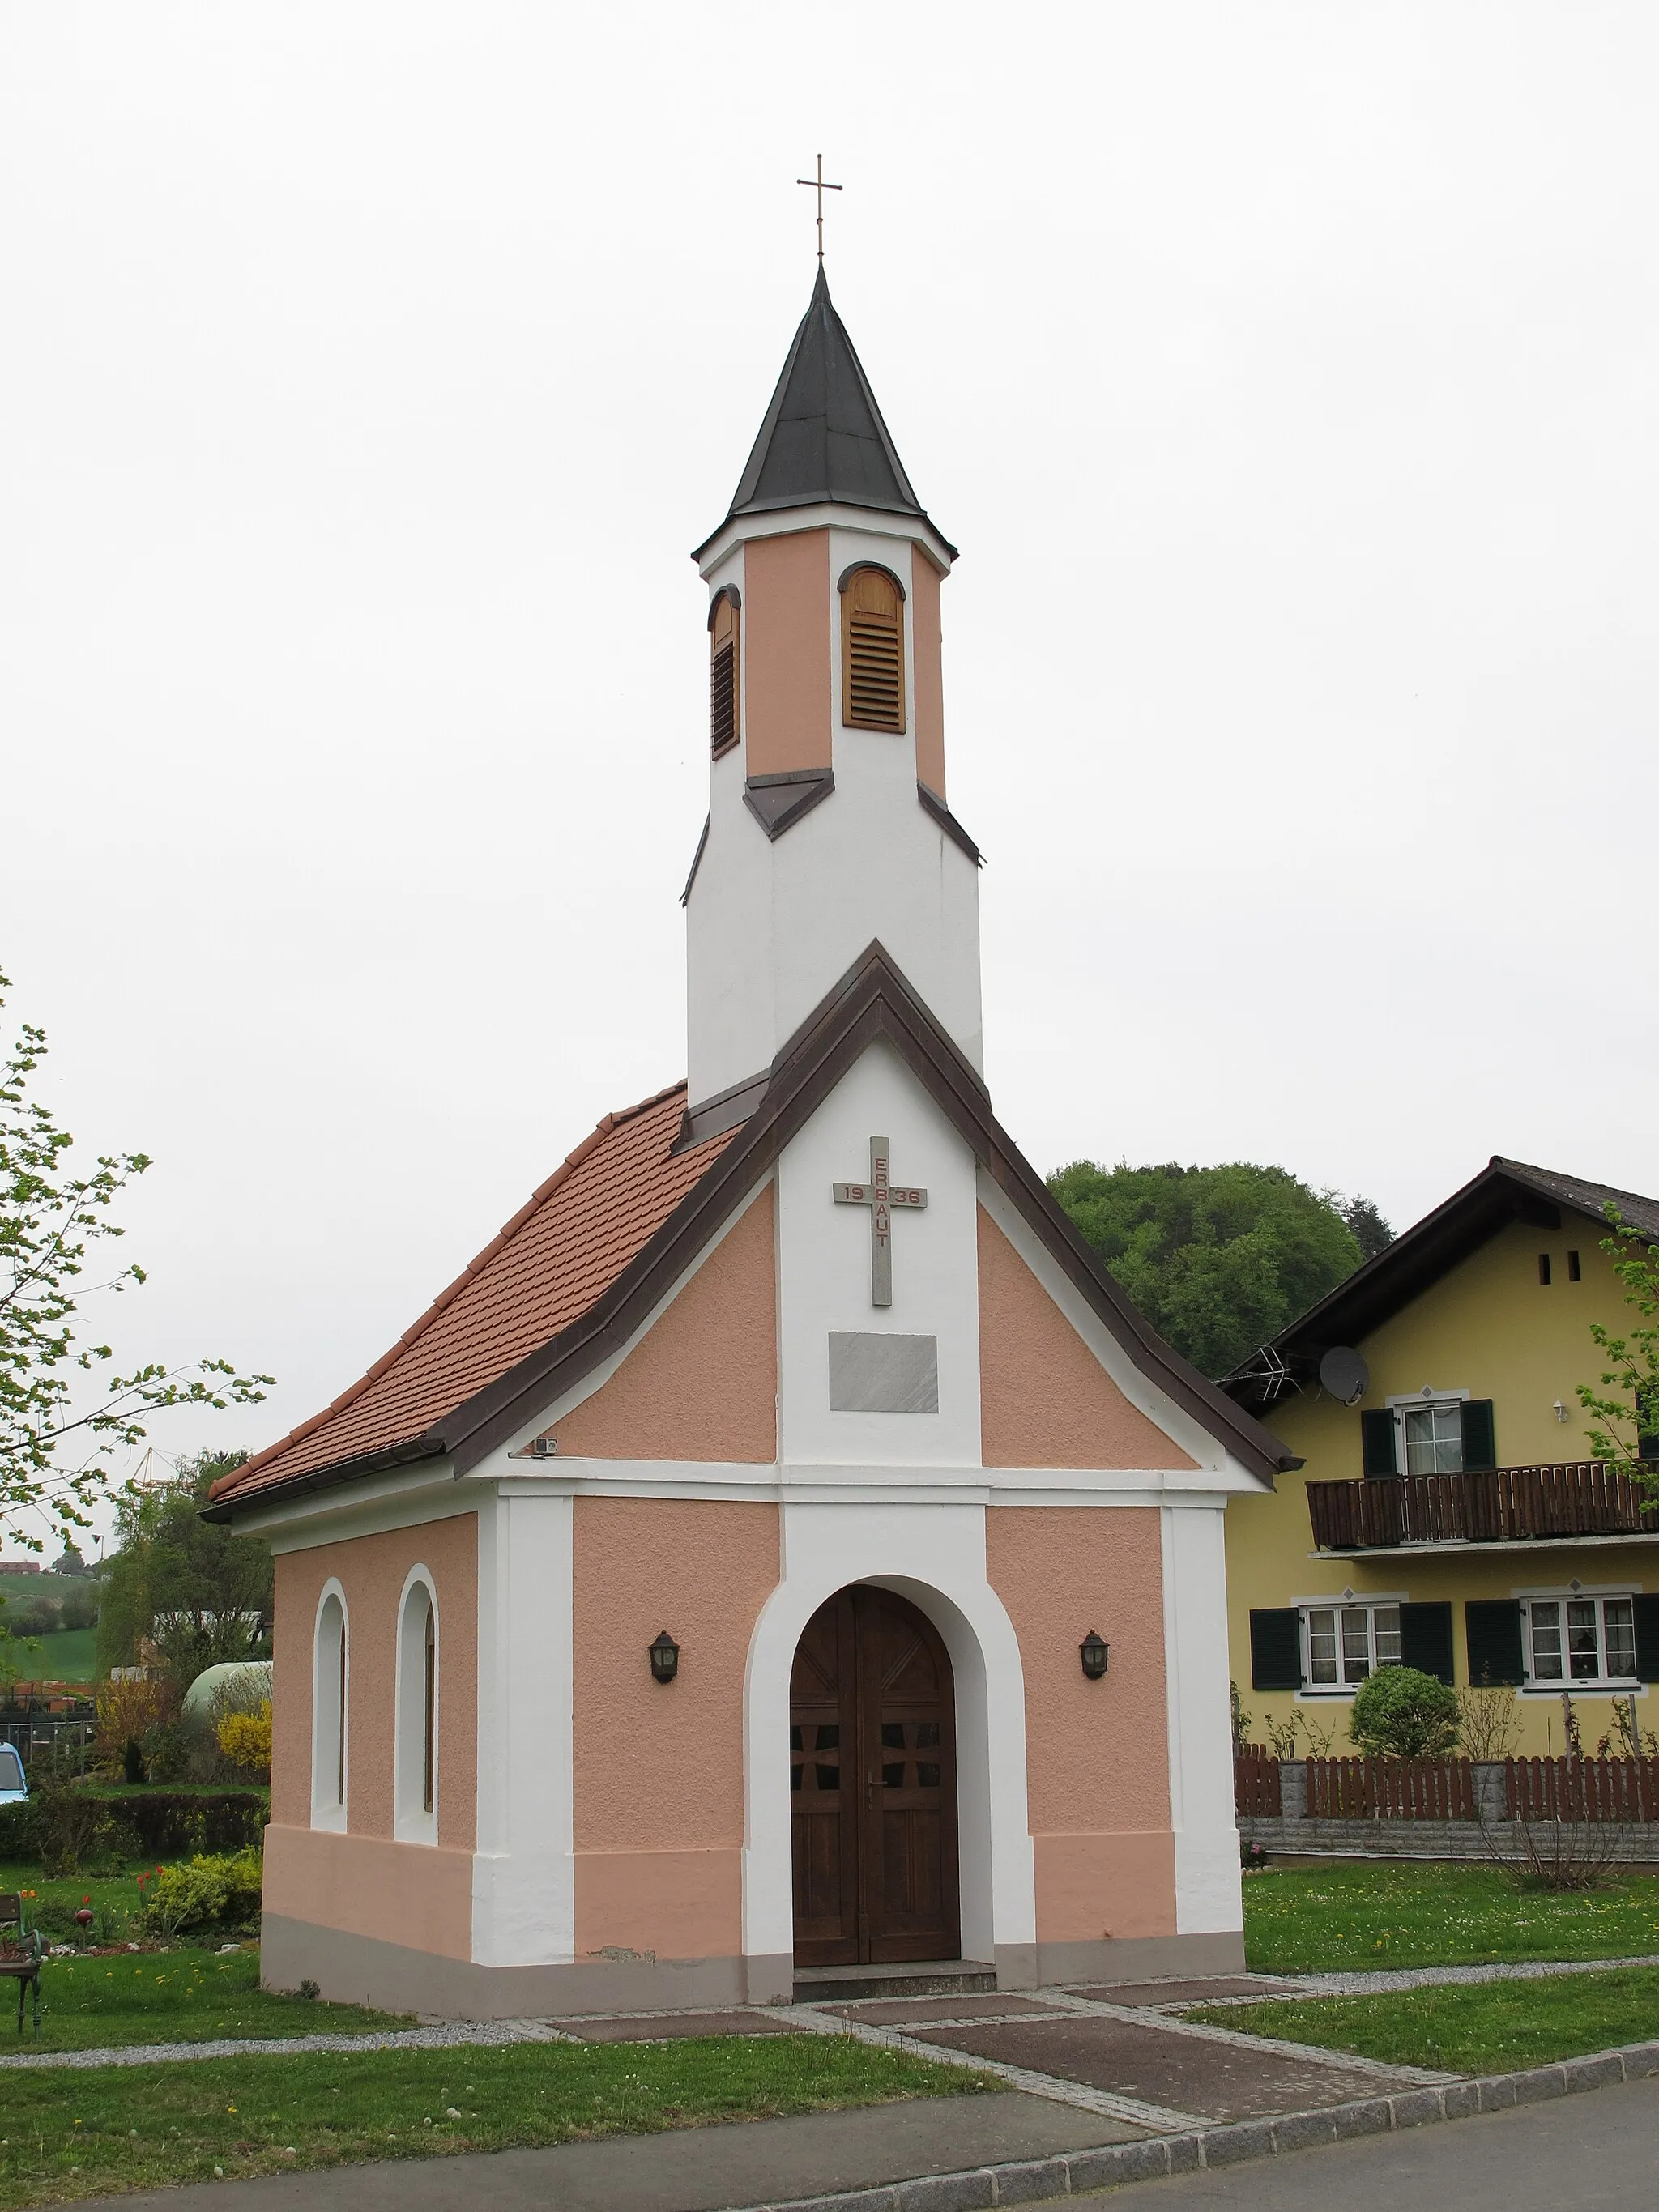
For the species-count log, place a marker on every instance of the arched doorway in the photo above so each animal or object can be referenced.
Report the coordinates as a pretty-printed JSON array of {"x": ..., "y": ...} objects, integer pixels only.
[{"x": 872, "y": 1784}]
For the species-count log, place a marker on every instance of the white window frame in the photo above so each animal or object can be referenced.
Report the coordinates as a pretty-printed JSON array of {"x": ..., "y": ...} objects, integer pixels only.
[
  {"x": 1312, "y": 1692},
  {"x": 1552, "y": 1686},
  {"x": 411, "y": 1822},
  {"x": 1413, "y": 1401},
  {"x": 331, "y": 1731}
]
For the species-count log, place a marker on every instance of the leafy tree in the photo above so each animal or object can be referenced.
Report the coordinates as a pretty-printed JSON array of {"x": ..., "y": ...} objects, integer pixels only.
[
  {"x": 1219, "y": 1259},
  {"x": 1370, "y": 1232},
  {"x": 1630, "y": 1436},
  {"x": 1398, "y": 1712},
  {"x": 186, "y": 1585},
  {"x": 65, "y": 1407}
]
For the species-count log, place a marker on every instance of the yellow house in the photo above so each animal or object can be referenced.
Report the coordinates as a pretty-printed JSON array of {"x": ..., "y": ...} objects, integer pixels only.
[{"x": 1447, "y": 1513}]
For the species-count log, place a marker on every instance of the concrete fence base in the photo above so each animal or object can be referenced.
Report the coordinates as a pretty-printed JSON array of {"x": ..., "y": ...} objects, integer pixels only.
[{"x": 1637, "y": 1842}]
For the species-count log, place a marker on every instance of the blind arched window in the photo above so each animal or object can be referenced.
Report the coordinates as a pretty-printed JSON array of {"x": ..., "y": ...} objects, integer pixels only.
[
  {"x": 416, "y": 1779},
  {"x": 329, "y": 1708},
  {"x": 723, "y": 723},
  {"x": 872, "y": 650}
]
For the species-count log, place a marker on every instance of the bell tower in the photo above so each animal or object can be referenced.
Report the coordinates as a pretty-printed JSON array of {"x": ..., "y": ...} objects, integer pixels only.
[{"x": 828, "y": 821}]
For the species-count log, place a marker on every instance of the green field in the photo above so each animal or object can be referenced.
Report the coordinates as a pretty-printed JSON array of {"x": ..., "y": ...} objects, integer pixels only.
[
  {"x": 70, "y": 1655},
  {"x": 1356, "y": 1918},
  {"x": 89, "y": 2132},
  {"x": 1485, "y": 2027}
]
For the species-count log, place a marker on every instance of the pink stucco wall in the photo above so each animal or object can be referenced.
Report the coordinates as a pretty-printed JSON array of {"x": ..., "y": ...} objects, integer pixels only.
[
  {"x": 659, "y": 1770},
  {"x": 406, "y": 1893},
  {"x": 702, "y": 1383},
  {"x": 1097, "y": 1777},
  {"x": 371, "y": 1570},
  {"x": 1045, "y": 1400},
  {"x": 786, "y": 607}
]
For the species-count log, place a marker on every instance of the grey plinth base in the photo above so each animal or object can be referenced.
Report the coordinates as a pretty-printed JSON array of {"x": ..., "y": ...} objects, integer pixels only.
[{"x": 360, "y": 1969}]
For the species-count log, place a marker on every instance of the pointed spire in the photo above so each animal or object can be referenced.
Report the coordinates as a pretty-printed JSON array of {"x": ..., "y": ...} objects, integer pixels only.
[{"x": 823, "y": 438}]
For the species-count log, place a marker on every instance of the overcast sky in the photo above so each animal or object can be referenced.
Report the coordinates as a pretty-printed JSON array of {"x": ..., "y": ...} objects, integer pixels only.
[{"x": 1286, "y": 374}]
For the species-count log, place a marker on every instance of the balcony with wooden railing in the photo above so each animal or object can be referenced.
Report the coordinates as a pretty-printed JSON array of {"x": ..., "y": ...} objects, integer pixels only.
[{"x": 1488, "y": 1505}]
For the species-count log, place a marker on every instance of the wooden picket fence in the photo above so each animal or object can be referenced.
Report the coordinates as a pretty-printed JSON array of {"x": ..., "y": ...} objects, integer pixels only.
[
  {"x": 1256, "y": 1782},
  {"x": 1583, "y": 1789},
  {"x": 1390, "y": 1788}
]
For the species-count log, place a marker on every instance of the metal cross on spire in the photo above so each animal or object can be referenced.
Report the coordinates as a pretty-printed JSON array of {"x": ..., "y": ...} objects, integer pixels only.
[{"x": 817, "y": 185}]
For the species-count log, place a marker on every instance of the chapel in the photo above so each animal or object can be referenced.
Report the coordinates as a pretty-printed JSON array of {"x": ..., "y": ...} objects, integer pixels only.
[{"x": 783, "y": 1553}]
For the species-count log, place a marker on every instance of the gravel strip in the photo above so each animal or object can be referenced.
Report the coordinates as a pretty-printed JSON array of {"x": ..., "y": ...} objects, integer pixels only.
[{"x": 443, "y": 2037}]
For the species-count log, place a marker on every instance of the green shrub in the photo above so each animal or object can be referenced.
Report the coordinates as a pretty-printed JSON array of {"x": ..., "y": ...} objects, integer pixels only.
[
  {"x": 1398, "y": 1712},
  {"x": 221, "y": 1886}
]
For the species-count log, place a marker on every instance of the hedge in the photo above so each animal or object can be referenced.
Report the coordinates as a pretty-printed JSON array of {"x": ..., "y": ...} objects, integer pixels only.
[{"x": 68, "y": 1831}]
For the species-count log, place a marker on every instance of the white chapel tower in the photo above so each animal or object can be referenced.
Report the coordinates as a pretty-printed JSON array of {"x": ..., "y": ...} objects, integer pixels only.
[{"x": 827, "y": 823}]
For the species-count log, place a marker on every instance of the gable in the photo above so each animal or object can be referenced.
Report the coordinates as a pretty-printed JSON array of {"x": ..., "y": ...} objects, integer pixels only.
[
  {"x": 1045, "y": 1400},
  {"x": 701, "y": 1383}
]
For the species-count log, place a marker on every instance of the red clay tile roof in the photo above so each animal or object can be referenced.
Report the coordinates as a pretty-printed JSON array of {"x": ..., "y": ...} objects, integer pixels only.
[{"x": 550, "y": 1263}]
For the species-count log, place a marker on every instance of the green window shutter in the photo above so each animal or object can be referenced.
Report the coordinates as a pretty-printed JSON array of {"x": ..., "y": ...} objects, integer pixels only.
[
  {"x": 1376, "y": 1441},
  {"x": 1479, "y": 1441},
  {"x": 1276, "y": 1648},
  {"x": 1425, "y": 1639},
  {"x": 1647, "y": 1638},
  {"x": 1491, "y": 1629}
]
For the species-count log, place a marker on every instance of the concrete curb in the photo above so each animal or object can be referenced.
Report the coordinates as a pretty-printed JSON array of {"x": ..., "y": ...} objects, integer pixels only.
[{"x": 1076, "y": 2173}]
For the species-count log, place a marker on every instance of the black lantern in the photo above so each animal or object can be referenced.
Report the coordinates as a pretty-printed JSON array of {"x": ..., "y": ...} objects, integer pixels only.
[
  {"x": 665, "y": 1657},
  {"x": 1092, "y": 1650}
]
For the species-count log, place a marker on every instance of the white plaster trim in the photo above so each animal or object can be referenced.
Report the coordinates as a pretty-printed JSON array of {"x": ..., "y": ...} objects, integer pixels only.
[
  {"x": 370, "y": 1506},
  {"x": 412, "y": 1823},
  {"x": 1584, "y": 1589},
  {"x": 1358, "y": 1597},
  {"x": 788, "y": 521},
  {"x": 1182, "y": 1428},
  {"x": 524, "y": 1892},
  {"x": 812, "y": 1483},
  {"x": 935, "y": 1556},
  {"x": 1209, "y": 1898},
  {"x": 325, "y": 1812}
]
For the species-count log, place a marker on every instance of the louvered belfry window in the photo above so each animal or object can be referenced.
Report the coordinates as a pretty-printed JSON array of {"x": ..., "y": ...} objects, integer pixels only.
[
  {"x": 873, "y": 651},
  {"x": 723, "y": 675}
]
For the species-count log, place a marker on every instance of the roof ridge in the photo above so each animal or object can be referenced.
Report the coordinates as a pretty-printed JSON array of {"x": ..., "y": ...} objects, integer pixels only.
[{"x": 590, "y": 1144}]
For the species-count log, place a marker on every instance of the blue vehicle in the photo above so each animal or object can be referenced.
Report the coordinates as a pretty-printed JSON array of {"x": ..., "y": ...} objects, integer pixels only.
[{"x": 14, "y": 1788}]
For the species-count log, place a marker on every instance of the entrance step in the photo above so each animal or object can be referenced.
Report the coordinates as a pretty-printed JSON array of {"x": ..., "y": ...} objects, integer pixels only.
[{"x": 914, "y": 1978}]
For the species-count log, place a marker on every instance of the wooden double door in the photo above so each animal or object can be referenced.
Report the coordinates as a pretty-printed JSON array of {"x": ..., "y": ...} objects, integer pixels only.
[{"x": 872, "y": 1784}]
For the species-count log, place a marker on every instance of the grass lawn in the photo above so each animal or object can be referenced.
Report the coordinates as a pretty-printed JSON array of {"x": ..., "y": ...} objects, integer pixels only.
[
  {"x": 1354, "y": 1918},
  {"x": 65, "y": 2133},
  {"x": 183, "y": 1996},
  {"x": 67, "y": 1655},
  {"x": 1486, "y": 2028}
]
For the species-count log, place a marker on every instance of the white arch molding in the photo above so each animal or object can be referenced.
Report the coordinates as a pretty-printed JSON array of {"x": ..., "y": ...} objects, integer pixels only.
[
  {"x": 935, "y": 1556},
  {"x": 330, "y": 1707},
  {"x": 414, "y": 1728}
]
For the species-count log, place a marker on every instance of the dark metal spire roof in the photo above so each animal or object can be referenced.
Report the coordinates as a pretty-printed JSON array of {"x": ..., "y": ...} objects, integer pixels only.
[{"x": 824, "y": 438}]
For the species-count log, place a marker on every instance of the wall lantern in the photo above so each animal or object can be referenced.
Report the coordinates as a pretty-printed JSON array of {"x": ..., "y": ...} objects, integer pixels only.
[
  {"x": 1092, "y": 1650},
  {"x": 664, "y": 1655}
]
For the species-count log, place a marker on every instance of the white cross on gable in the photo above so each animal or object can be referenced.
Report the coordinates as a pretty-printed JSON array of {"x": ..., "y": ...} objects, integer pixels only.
[{"x": 880, "y": 1194}]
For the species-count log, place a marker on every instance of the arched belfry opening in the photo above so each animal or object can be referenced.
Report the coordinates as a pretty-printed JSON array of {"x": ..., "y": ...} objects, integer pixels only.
[{"x": 872, "y": 1784}]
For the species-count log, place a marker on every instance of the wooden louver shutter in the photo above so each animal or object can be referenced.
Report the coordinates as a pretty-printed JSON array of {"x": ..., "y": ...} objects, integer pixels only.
[
  {"x": 872, "y": 651},
  {"x": 1275, "y": 1647},
  {"x": 1425, "y": 1640},
  {"x": 723, "y": 678},
  {"x": 1376, "y": 1441},
  {"x": 1480, "y": 1434},
  {"x": 1647, "y": 1637},
  {"x": 1491, "y": 1629}
]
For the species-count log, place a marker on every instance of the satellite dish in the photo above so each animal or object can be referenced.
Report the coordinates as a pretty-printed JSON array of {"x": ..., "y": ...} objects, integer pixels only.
[{"x": 1344, "y": 1374}]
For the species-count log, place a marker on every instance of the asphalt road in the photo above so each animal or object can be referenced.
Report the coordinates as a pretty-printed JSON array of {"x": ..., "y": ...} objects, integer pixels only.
[{"x": 1586, "y": 2152}]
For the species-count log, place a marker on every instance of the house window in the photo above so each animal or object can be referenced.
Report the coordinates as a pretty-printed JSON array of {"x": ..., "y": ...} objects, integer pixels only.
[
  {"x": 1543, "y": 1269},
  {"x": 872, "y": 650},
  {"x": 1575, "y": 1270},
  {"x": 1581, "y": 1640},
  {"x": 1432, "y": 1434},
  {"x": 723, "y": 720},
  {"x": 417, "y": 1722},
  {"x": 1345, "y": 1642}
]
